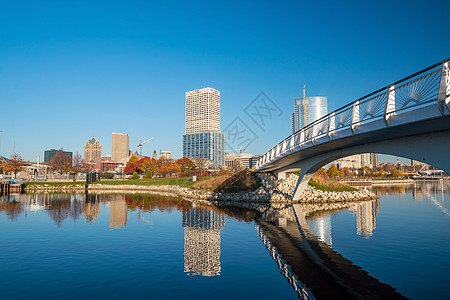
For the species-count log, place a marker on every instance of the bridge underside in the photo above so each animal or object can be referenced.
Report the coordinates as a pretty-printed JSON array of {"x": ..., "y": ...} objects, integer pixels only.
[{"x": 427, "y": 142}]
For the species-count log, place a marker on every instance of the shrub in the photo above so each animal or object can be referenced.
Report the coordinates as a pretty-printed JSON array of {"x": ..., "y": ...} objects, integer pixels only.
[
  {"x": 107, "y": 176},
  {"x": 241, "y": 181},
  {"x": 135, "y": 175},
  {"x": 148, "y": 174}
]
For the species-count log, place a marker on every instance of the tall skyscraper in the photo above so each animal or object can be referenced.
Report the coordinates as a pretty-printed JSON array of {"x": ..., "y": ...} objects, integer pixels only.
[
  {"x": 92, "y": 151},
  {"x": 307, "y": 110},
  {"x": 203, "y": 138},
  {"x": 202, "y": 110},
  {"x": 120, "y": 146},
  {"x": 202, "y": 241}
]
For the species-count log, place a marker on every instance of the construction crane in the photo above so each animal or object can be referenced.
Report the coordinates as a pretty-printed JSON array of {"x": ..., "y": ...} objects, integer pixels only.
[{"x": 142, "y": 144}]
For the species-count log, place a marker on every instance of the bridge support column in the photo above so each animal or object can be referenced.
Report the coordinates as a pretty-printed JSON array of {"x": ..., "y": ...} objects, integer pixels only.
[
  {"x": 280, "y": 175},
  {"x": 302, "y": 183}
]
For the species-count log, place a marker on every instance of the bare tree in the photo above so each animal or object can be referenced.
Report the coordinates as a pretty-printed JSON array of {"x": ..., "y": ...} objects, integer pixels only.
[
  {"x": 61, "y": 162},
  {"x": 77, "y": 162},
  {"x": 203, "y": 164}
]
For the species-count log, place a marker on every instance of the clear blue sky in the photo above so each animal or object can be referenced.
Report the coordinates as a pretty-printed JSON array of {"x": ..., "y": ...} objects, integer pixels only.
[{"x": 70, "y": 70}]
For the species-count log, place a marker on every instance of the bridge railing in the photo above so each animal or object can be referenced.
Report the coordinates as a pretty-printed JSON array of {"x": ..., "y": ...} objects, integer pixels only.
[{"x": 430, "y": 86}]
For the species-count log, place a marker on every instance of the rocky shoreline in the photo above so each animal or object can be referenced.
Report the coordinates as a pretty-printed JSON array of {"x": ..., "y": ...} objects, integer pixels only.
[{"x": 271, "y": 191}]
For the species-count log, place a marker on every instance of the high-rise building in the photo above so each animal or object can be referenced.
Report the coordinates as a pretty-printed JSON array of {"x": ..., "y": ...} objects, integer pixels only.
[
  {"x": 48, "y": 154},
  {"x": 120, "y": 146},
  {"x": 203, "y": 138},
  {"x": 202, "y": 110},
  {"x": 202, "y": 241},
  {"x": 155, "y": 155},
  {"x": 92, "y": 151},
  {"x": 313, "y": 109}
]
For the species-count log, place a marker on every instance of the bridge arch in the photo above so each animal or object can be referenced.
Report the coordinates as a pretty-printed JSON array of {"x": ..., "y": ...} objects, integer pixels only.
[{"x": 431, "y": 148}]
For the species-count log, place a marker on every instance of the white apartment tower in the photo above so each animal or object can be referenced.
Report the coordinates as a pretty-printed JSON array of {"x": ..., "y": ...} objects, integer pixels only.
[
  {"x": 203, "y": 138},
  {"x": 202, "y": 110}
]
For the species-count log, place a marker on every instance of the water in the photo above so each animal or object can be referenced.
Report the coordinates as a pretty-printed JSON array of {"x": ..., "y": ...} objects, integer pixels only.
[{"x": 135, "y": 246}]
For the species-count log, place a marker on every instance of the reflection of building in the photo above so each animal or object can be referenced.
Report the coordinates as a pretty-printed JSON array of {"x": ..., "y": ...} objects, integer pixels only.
[
  {"x": 91, "y": 208},
  {"x": 120, "y": 146},
  {"x": 321, "y": 227},
  {"x": 202, "y": 241},
  {"x": 314, "y": 109},
  {"x": 118, "y": 213},
  {"x": 366, "y": 213},
  {"x": 92, "y": 151},
  {"x": 203, "y": 138}
]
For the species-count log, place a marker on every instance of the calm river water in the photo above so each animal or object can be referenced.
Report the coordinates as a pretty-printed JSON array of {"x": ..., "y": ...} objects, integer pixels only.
[{"x": 147, "y": 246}]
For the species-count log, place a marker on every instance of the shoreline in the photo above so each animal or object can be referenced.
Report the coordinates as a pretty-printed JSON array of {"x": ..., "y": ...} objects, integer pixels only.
[{"x": 271, "y": 191}]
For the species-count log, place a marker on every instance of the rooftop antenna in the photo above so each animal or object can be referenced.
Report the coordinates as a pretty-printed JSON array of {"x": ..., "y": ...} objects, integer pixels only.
[{"x": 304, "y": 107}]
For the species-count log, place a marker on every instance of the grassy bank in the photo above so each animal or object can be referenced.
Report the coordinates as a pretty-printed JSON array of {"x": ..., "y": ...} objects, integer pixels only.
[
  {"x": 326, "y": 184},
  {"x": 184, "y": 182}
]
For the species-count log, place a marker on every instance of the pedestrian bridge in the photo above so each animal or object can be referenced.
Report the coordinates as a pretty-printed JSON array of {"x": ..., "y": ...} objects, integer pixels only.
[{"x": 408, "y": 118}]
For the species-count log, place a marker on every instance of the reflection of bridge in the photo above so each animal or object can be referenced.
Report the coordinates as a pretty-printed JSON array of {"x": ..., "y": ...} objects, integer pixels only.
[
  {"x": 409, "y": 118},
  {"x": 310, "y": 264}
]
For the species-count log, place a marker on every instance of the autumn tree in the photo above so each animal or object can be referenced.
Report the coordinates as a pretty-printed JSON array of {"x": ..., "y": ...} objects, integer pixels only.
[
  {"x": 61, "y": 162},
  {"x": 14, "y": 164},
  {"x": 186, "y": 165},
  {"x": 333, "y": 171},
  {"x": 396, "y": 174}
]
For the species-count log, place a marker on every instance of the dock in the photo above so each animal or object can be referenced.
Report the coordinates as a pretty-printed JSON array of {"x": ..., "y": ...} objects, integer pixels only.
[{"x": 7, "y": 188}]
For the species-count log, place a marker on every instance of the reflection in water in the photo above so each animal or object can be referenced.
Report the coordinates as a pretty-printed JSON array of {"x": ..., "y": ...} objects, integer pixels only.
[
  {"x": 284, "y": 267},
  {"x": 60, "y": 207},
  {"x": 202, "y": 241},
  {"x": 91, "y": 208},
  {"x": 118, "y": 212},
  {"x": 300, "y": 244},
  {"x": 321, "y": 227}
]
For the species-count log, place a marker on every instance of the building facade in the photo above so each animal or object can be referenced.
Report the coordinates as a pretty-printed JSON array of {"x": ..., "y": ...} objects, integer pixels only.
[
  {"x": 92, "y": 151},
  {"x": 165, "y": 154},
  {"x": 120, "y": 146},
  {"x": 48, "y": 154},
  {"x": 241, "y": 160},
  {"x": 203, "y": 138},
  {"x": 314, "y": 109},
  {"x": 209, "y": 145}
]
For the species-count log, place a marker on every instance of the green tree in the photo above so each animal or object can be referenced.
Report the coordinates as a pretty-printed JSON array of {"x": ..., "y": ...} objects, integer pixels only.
[{"x": 135, "y": 175}]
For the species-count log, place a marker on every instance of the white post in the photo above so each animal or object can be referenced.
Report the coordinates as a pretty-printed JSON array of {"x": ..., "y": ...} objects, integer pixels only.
[
  {"x": 390, "y": 105},
  {"x": 444, "y": 89},
  {"x": 355, "y": 116},
  {"x": 331, "y": 125}
]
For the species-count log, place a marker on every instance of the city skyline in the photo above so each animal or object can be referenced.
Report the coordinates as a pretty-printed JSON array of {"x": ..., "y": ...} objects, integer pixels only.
[{"x": 57, "y": 60}]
